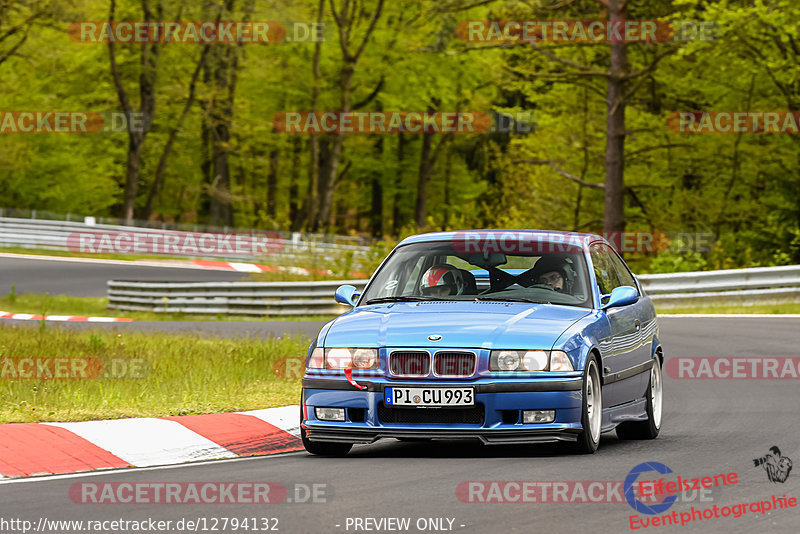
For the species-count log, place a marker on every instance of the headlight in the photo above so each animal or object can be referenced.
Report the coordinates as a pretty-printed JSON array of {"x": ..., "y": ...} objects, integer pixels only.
[
  {"x": 338, "y": 358},
  {"x": 365, "y": 359},
  {"x": 345, "y": 358},
  {"x": 505, "y": 360},
  {"x": 535, "y": 360},
  {"x": 529, "y": 360},
  {"x": 559, "y": 361}
]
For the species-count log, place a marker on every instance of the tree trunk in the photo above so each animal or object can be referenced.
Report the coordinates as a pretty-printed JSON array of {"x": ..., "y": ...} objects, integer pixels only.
[
  {"x": 272, "y": 183},
  {"x": 448, "y": 172},
  {"x": 295, "y": 218},
  {"x": 330, "y": 163},
  {"x": 147, "y": 105},
  {"x": 376, "y": 214},
  {"x": 221, "y": 207},
  {"x": 398, "y": 185},
  {"x": 614, "y": 219},
  {"x": 308, "y": 214},
  {"x": 345, "y": 20},
  {"x": 329, "y": 167},
  {"x": 132, "y": 175},
  {"x": 325, "y": 161},
  {"x": 161, "y": 170},
  {"x": 221, "y": 74},
  {"x": 424, "y": 174}
]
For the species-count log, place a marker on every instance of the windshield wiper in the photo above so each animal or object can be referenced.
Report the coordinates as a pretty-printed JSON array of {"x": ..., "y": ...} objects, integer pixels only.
[
  {"x": 398, "y": 299},
  {"x": 514, "y": 299}
]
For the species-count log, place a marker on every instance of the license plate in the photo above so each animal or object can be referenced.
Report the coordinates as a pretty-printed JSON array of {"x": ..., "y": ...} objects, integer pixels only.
[{"x": 396, "y": 396}]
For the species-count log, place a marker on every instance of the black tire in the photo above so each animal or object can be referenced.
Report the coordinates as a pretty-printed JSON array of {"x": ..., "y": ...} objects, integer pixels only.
[
  {"x": 591, "y": 409},
  {"x": 650, "y": 428},
  {"x": 322, "y": 448}
]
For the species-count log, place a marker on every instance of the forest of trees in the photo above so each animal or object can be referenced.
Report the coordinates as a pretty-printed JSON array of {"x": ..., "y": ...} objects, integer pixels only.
[{"x": 581, "y": 139}]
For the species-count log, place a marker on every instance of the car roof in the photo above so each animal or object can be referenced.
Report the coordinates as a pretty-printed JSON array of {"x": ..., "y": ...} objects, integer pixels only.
[{"x": 546, "y": 235}]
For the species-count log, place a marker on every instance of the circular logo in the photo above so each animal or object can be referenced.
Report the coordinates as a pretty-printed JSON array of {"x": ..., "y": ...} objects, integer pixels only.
[
  {"x": 630, "y": 484},
  {"x": 434, "y": 337},
  {"x": 416, "y": 398}
]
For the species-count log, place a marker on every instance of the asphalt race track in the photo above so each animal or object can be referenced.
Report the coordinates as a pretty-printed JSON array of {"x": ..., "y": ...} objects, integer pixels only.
[
  {"x": 710, "y": 427},
  {"x": 62, "y": 276}
]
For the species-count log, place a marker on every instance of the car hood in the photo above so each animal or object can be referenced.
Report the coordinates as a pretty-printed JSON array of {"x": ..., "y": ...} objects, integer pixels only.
[{"x": 506, "y": 325}]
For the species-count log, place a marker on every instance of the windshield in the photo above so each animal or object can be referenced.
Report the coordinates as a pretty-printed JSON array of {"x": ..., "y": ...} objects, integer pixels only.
[{"x": 442, "y": 271}]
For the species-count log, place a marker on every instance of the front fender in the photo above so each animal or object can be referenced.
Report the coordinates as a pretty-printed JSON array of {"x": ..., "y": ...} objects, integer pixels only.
[
  {"x": 319, "y": 341},
  {"x": 583, "y": 337}
]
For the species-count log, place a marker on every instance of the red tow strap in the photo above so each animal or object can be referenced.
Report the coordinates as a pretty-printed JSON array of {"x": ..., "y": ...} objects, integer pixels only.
[{"x": 348, "y": 374}]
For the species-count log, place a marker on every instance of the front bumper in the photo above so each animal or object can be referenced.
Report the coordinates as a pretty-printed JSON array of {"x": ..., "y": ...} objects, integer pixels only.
[{"x": 499, "y": 401}]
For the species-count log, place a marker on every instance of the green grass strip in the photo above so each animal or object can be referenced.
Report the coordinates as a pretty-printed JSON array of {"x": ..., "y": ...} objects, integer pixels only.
[{"x": 183, "y": 374}]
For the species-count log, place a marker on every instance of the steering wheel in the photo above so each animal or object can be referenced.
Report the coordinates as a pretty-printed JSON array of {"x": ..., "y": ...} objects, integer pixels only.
[{"x": 543, "y": 286}]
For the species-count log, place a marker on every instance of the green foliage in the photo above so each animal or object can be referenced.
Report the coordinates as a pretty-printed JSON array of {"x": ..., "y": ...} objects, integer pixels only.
[
  {"x": 744, "y": 188},
  {"x": 677, "y": 263}
]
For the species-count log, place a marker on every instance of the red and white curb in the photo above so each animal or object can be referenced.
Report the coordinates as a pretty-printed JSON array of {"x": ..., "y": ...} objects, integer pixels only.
[
  {"x": 31, "y": 317},
  {"x": 253, "y": 268},
  {"x": 56, "y": 448}
]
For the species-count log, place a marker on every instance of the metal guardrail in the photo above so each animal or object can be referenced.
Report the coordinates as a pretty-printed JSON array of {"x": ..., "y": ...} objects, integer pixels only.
[
  {"x": 732, "y": 287},
  {"x": 744, "y": 287},
  {"x": 235, "y": 298},
  {"x": 54, "y": 235}
]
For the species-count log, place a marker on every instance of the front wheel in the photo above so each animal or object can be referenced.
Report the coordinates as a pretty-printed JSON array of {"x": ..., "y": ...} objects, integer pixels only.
[
  {"x": 591, "y": 409},
  {"x": 650, "y": 428},
  {"x": 324, "y": 448}
]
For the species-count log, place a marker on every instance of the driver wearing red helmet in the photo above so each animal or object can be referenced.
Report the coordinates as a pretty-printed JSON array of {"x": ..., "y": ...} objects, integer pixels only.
[{"x": 442, "y": 280}]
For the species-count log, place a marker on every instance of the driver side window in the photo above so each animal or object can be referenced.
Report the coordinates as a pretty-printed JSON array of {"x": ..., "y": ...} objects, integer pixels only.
[
  {"x": 603, "y": 270},
  {"x": 609, "y": 269},
  {"x": 624, "y": 276}
]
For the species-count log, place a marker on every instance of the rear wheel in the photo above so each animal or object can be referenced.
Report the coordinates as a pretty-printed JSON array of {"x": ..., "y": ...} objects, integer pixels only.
[
  {"x": 592, "y": 409},
  {"x": 650, "y": 428},
  {"x": 322, "y": 448}
]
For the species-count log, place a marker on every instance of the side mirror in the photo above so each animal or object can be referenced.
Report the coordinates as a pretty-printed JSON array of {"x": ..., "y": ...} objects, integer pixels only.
[
  {"x": 621, "y": 296},
  {"x": 346, "y": 294}
]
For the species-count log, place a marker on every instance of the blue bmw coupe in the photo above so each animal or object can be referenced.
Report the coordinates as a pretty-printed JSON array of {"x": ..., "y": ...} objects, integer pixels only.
[{"x": 502, "y": 336}]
